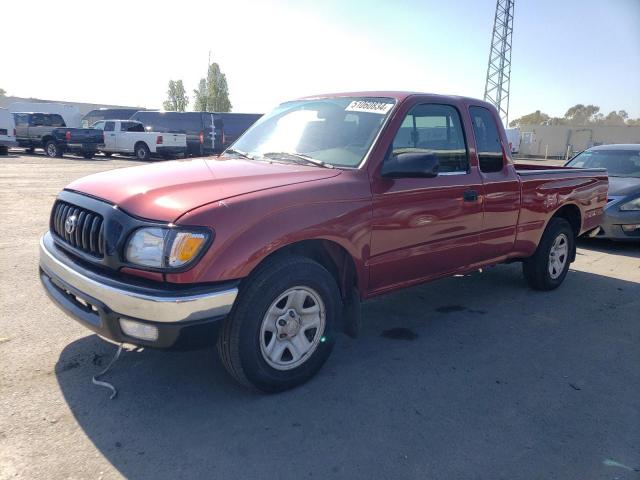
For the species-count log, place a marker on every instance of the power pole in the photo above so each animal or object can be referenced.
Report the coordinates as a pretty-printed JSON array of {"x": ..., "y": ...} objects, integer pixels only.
[{"x": 496, "y": 90}]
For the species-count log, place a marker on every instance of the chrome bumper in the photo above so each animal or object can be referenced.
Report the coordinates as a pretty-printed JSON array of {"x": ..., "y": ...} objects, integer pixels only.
[{"x": 132, "y": 303}]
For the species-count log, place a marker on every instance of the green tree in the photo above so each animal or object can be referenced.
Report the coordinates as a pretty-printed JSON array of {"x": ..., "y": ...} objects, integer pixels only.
[
  {"x": 582, "y": 114},
  {"x": 634, "y": 122},
  {"x": 3, "y": 92},
  {"x": 200, "y": 97},
  {"x": 615, "y": 118},
  {"x": 177, "y": 99},
  {"x": 212, "y": 93},
  {"x": 535, "y": 118}
]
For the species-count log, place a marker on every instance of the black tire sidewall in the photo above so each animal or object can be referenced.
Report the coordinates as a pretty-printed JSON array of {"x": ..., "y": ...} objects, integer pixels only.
[
  {"x": 56, "y": 149},
  {"x": 556, "y": 227},
  {"x": 252, "y": 308},
  {"x": 142, "y": 148}
]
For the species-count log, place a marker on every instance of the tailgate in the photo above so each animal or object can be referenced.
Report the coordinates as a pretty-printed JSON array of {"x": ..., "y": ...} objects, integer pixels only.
[
  {"x": 174, "y": 140},
  {"x": 83, "y": 135}
]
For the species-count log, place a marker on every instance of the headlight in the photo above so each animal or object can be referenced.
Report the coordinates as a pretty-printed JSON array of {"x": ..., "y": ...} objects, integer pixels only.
[
  {"x": 160, "y": 247},
  {"x": 630, "y": 206}
]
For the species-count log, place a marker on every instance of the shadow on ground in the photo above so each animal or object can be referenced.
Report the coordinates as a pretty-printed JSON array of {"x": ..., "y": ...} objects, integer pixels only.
[{"x": 493, "y": 381}]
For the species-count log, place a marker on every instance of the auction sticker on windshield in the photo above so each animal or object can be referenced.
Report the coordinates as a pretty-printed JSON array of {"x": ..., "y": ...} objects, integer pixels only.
[{"x": 369, "y": 107}]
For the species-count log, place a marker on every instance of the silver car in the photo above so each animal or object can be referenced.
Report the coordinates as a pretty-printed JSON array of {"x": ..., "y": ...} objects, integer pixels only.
[{"x": 622, "y": 213}]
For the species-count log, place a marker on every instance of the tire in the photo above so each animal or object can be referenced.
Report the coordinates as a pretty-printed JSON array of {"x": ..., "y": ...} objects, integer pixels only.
[
  {"x": 107, "y": 154},
  {"x": 4, "y": 151},
  {"x": 284, "y": 283},
  {"x": 51, "y": 149},
  {"x": 30, "y": 150},
  {"x": 142, "y": 151},
  {"x": 88, "y": 155},
  {"x": 548, "y": 267}
]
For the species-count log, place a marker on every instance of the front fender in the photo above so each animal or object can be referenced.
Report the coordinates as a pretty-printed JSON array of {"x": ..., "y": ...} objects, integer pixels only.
[{"x": 251, "y": 227}]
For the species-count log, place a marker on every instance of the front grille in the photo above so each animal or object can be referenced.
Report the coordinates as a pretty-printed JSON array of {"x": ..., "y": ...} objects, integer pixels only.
[{"x": 87, "y": 233}]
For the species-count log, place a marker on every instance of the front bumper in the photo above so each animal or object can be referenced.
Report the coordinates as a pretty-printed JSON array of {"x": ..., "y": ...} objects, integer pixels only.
[
  {"x": 99, "y": 302},
  {"x": 613, "y": 221}
]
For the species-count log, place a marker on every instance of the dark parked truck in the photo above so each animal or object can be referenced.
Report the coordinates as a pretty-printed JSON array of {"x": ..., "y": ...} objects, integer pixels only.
[
  {"x": 49, "y": 132},
  {"x": 323, "y": 203}
]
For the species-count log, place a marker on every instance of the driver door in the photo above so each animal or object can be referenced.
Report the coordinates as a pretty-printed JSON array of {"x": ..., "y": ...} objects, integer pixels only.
[{"x": 426, "y": 227}]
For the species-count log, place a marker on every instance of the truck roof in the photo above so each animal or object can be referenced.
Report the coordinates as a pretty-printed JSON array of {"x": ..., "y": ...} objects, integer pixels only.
[{"x": 396, "y": 95}]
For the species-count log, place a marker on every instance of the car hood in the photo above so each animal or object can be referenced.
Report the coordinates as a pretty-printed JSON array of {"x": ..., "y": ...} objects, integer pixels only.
[
  {"x": 167, "y": 190},
  {"x": 623, "y": 186}
]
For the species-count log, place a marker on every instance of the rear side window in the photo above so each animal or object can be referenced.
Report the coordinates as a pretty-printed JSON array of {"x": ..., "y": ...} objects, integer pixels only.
[
  {"x": 109, "y": 126},
  {"x": 487, "y": 140},
  {"x": 436, "y": 129},
  {"x": 131, "y": 127},
  {"x": 21, "y": 119},
  {"x": 54, "y": 120}
]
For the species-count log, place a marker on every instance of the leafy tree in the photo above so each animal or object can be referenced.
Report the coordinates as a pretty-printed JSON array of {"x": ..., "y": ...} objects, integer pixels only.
[
  {"x": 177, "y": 99},
  {"x": 200, "y": 97},
  {"x": 616, "y": 118},
  {"x": 213, "y": 92},
  {"x": 634, "y": 122},
  {"x": 535, "y": 118},
  {"x": 3, "y": 92},
  {"x": 582, "y": 115}
]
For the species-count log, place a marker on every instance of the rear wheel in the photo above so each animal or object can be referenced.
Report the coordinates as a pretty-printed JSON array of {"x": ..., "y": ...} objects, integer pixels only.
[
  {"x": 142, "y": 151},
  {"x": 88, "y": 155},
  {"x": 107, "y": 154},
  {"x": 4, "y": 150},
  {"x": 280, "y": 331},
  {"x": 548, "y": 267},
  {"x": 30, "y": 150},
  {"x": 52, "y": 149}
]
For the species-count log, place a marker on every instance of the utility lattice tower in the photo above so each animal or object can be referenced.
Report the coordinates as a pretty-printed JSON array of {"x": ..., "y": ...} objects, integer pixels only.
[{"x": 496, "y": 90}]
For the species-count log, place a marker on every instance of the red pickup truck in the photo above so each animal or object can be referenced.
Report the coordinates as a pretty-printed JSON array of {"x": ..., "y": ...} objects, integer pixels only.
[{"x": 323, "y": 203}]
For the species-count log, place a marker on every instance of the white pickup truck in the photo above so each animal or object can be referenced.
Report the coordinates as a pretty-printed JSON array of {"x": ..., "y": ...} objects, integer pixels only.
[{"x": 130, "y": 138}]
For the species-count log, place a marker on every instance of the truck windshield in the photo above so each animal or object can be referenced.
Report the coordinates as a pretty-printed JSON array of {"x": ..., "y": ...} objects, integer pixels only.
[
  {"x": 619, "y": 163},
  {"x": 336, "y": 131}
]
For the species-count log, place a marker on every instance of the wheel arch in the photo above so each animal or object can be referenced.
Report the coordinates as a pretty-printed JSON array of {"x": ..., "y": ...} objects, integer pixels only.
[
  {"x": 140, "y": 142},
  {"x": 331, "y": 255},
  {"x": 571, "y": 213}
]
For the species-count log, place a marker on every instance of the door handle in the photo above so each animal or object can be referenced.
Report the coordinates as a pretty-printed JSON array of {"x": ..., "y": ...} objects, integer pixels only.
[{"x": 470, "y": 196}]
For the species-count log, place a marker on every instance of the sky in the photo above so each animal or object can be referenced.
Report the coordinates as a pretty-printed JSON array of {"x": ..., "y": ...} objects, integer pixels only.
[{"x": 125, "y": 52}]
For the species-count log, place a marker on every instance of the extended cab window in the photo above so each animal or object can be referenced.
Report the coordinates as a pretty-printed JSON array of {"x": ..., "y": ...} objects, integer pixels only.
[
  {"x": 488, "y": 141},
  {"x": 131, "y": 127},
  {"x": 109, "y": 126},
  {"x": 98, "y": 126},
  {"x": 436, "y": 129}
]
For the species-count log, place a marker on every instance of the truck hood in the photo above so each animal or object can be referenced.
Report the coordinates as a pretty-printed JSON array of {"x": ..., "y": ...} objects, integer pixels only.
[
  {"x": 167, "y": 190},
  {"x": 622, "y": 186}
]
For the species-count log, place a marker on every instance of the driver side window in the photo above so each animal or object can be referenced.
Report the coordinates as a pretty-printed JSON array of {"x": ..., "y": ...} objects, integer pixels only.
[{"x": 434, "y": 129}]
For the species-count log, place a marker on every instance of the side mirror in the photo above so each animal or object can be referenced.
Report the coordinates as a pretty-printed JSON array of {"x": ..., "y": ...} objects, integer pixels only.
[{"x": 411, "y": 165}]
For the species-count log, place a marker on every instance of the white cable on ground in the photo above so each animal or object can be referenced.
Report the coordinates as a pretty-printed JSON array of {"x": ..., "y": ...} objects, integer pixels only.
[{"x": 100, "y": 383}]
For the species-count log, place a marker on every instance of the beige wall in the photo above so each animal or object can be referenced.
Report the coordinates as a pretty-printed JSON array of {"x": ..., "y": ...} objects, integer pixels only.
[{"x": 535, "y": 140}]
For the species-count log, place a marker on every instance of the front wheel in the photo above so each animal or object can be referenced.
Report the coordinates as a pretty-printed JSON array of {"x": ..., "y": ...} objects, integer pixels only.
[
  {"x": 280, "y": 332},
  {"x": 88, "y": 155},
  {"x": 548, "y": 267},
  {"x": 52, "y": 149}
]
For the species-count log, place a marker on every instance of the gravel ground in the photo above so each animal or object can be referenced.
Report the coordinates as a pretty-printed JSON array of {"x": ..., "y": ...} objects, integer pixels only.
[{"x": 468, "y": 377}]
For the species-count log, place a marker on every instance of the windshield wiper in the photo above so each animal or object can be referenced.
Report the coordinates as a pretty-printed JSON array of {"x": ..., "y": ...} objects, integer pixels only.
[
  {"x": 240, "y": 153},
  {"x": 297, "y": 156}
]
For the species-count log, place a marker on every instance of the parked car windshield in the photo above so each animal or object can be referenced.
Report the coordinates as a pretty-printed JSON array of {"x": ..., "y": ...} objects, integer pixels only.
[
  {"x": 336, "y": 131},
  {"x": 619, "y": 163}
]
